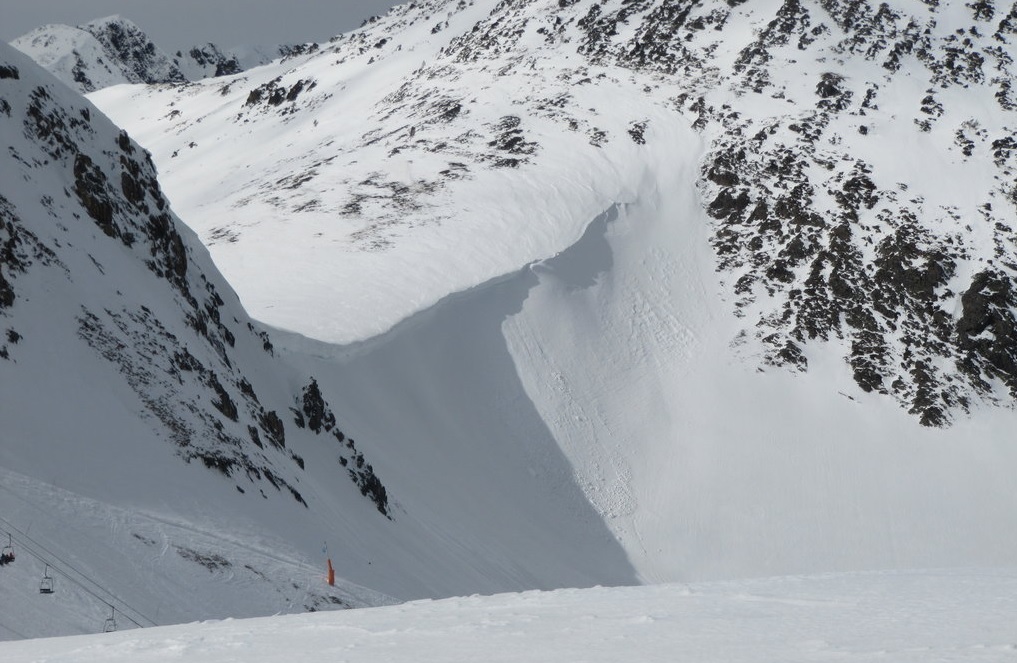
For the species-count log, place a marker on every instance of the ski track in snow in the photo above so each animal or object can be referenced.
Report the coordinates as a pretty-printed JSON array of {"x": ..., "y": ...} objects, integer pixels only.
[{"x": 149, "y": 566}]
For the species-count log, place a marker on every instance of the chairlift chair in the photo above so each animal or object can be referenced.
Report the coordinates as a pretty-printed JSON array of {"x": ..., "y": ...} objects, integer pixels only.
[
  {"x": 7, "y": 553},
  {"x": 46, "y": 584},
  {"x": 110, "y": 624}
]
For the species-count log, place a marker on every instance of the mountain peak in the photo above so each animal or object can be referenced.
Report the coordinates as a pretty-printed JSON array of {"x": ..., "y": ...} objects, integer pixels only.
[
  {"x": 114, "y": 50},
  {"x": 104, "y": 52},
  {"x": 105, "y": 22},
  {"x": 129, "y": 46}
]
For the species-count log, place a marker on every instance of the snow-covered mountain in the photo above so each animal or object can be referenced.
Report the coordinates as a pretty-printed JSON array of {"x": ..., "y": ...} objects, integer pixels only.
[
  {"x": 104, "y": 52},
  {"x": 163, "y": 458},
  {"x": 606, "y": 292},
  {"x": 726, "y": 256},
  {"x": 123, "y": 348},
  {"x": 113, "y": 51},
  {"x": 813, "y": 118}
]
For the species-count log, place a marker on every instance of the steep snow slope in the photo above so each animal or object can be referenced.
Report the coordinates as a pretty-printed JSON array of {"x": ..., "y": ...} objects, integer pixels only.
[
  {"x": 155, "y": 442},
  {"x": 707, "y": 467},
  {"x": 703, "y": 466},
  {"x": 104, "y": 52},
  {"x": 922, "y": 616},
  {"x": 124, "y": 358},
  {"x": 765, "y": 341}
]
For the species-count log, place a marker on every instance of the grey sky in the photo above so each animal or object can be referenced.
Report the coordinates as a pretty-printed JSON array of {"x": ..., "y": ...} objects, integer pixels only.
[{"x": 174, "y": 24}]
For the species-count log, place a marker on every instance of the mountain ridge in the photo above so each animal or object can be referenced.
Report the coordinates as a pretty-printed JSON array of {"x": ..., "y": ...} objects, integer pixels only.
[
  {"x": 114, "y": 187},
  {"x": 114, "y": 51}
]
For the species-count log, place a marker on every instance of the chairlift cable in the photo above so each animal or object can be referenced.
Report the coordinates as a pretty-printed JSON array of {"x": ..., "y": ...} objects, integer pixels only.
[
  {"x": 25, "y": 537},
  {"x": 33, "y": 553},
  {"x": 40, "y": 557},
  {"x": 17, "y": 633}
]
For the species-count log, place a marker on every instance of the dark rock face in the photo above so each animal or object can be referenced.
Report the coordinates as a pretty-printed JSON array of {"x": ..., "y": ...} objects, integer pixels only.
[
  {"x": 210, "y": 57},
  {"x": 125, "y": 43},
  {"x": 510, "y": 140},
  {"x": 315, "y": 410},
  {"x": 281, "y": 97},
  {"x": 20, "y": 248},
  {"x": 312, "y": 411},
  {"x": 806, "y": 264},
  {"x": 987, "y": 329}
]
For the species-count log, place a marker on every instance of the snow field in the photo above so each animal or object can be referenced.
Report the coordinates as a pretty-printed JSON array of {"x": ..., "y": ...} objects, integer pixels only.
[{"x": 949, "y": 616}]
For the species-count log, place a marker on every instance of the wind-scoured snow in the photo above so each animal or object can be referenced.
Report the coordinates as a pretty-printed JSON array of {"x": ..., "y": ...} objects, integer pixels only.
[{"x": 948, "y": 616}]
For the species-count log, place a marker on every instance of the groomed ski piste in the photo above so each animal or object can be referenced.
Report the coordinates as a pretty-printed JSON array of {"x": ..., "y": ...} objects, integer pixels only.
[
  {"x": 916, "y": 617},
  {"x": 547, "y": 370}
]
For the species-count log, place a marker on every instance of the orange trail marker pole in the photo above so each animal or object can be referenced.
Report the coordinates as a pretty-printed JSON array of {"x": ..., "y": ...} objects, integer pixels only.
[{"x": 331, "y": 573}]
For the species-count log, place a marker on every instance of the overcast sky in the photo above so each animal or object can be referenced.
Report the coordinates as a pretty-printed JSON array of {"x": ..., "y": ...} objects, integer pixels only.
[{"x": 175, "y": 24}]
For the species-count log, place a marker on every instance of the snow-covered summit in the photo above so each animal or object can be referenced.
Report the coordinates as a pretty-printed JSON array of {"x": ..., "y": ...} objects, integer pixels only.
[
  {"x": 113, "y": 51},
  {"x": 210, "y": 60},
  {"x": 133, "y": 51},
  {"x": 104, "y": 52}
]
